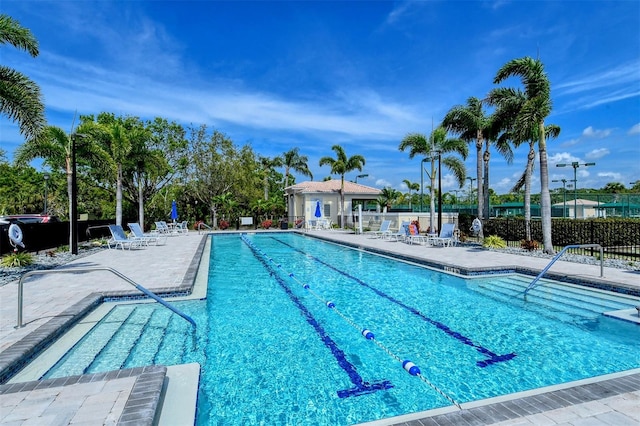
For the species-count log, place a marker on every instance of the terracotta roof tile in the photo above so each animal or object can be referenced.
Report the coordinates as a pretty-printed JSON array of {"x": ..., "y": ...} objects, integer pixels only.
[{"x": 332, "y": 185}]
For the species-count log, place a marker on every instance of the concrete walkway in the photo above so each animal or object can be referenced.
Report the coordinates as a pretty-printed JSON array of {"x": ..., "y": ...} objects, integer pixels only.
[{"x": 51, "y": 302}]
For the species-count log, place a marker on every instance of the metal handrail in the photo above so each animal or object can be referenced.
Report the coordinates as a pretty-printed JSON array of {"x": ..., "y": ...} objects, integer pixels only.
[
  {"x": 100, "y": 268},
  {"x": 557, "y": 256}
]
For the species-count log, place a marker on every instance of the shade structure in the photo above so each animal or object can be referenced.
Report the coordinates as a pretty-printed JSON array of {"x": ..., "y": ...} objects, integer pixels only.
[
  {"x": 174, "y": 210},
  {"x": 318, "y": 213}
]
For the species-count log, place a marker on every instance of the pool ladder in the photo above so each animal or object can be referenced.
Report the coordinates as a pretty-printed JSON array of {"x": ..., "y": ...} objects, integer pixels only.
[
  {"x": 557, "y": 256},
  {"x": 113, "y": 271}
]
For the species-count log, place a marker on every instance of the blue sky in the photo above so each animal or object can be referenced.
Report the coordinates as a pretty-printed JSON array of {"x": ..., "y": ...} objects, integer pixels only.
[{"x": 306, "y": 74}]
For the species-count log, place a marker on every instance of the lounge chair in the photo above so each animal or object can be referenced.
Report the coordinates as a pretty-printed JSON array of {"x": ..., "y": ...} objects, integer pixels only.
[
  {"x": 401, "y": 235},
  {"x": 446, "y": 237},
  {"x": 119, "y": 238},
  {"x": 384, "y": 229},
  {"x": 163, "y": 228},
  {"x": 181, "y": 228},
  {"x": 152, "y": 237},
  {"x": 414, "y": 236}
]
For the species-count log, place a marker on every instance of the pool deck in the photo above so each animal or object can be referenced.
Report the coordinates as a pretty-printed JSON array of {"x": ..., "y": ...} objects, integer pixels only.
[{"x": 134, "y": 396}]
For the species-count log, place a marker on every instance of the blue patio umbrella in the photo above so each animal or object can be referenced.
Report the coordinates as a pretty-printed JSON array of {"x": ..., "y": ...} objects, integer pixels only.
[
  {"x": 174, "y": 210},
  {"x": 318, "y": 214}
]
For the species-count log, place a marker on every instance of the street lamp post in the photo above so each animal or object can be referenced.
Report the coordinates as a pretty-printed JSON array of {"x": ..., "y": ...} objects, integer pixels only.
[
  {"x": 46, "y": 179},
  {"x": 439, "y": 192},
  {"x": 564, "y": 196},
  {"x": 575, "y": 166},
  {"x": 361, "y": 176},
  {"x": 73, "y": 220},
  {"x": 471, "y": 180},
  {"x": 422, "y": 182}
]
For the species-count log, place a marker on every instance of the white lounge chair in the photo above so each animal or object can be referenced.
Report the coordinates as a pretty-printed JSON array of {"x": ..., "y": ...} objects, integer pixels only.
[
  {"x": 384, "y": 229},
  {"x": 119, "y": 238},
  {"x": 414, "y": 236},
  {"x": 181, "y": 228},
  {"x": 401, "y": 235},
  {"x": 152, "y": 237},
  {"x": 446, "y": 237}
]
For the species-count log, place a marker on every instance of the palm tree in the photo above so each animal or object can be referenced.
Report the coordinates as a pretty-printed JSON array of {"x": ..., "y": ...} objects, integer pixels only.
[
  {"x": 387, "y": 197},
  {"x": 115, "y": 139},
  {"x": 437, "y": 145},
  {"x": 55, "y": 147},
  {"x": 342, "y": 165},
  {"x": 472, "y": 124},
  {"x": 268, "y": 164},
  {"x": 412, "y": 186},
  {"x": 525, "y": 178},
  {"x": 20, "y": 97},
  {"x": 293, "y": 160},
  {"x": 531, "y": 114}
]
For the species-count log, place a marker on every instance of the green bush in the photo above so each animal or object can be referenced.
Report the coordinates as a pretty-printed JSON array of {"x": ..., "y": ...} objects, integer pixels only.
[
  {"x": 16, "y": 260},
  {"x": 493, "y": 241}
]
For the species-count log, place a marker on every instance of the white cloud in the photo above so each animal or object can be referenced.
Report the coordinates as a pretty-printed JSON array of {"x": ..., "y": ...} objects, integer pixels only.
[
  {"x": 634, "y": 130},
  {"x": 596, "y": 153},
  {"x": 590, "y": 132},
  {"x": 562, "y": 157},
  {"x": 612, "y": 175},
  {"x": 382, "y": 183},
  {"x": 622, "y": 74}
]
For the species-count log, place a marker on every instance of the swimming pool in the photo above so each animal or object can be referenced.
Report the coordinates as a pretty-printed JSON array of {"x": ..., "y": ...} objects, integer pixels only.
[{"x": 273, "y": 352}]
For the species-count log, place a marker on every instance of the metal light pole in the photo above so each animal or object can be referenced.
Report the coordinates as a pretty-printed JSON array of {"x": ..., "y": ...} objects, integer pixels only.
[
  {"x": 422, "y": 182},
  {"x": 439, "y": 192},
  {"x": 73, "y": 220},
  {"x": 46, "y": 179},
  {"x": 575, "y": 166},
  {"x": 361, "y": 176},
  {"x": 471, "y": 180},
  {"x": 564, "y": 196}
]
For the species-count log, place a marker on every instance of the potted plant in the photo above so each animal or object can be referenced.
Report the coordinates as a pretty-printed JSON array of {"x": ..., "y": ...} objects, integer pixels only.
[{"x": 266, "y": 224}]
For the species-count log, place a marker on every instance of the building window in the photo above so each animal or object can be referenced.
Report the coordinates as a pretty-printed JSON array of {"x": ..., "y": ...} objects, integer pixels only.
[{"x": 327, "y": 210}]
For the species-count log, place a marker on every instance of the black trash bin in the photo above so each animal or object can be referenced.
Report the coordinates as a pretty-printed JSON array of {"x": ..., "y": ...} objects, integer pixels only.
[{"x": 284, "y": 224}]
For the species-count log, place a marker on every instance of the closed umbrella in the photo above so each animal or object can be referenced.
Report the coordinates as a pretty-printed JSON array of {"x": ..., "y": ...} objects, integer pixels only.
[
  {"x": 318, "y": 213},
  {"x": 174, "y": 210}
]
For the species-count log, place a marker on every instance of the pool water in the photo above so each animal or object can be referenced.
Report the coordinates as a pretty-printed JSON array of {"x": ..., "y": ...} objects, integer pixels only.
[{"x": 273, "y": 353}]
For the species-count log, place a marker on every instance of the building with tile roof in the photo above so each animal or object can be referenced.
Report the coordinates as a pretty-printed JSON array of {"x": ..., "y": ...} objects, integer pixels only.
[{"x": 304, "y": 198}]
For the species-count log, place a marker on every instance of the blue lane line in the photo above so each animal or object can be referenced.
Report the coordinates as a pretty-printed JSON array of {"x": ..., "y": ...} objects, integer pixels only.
[
  {"x": 493, "y": 357},
  {"x": 361, "y": 387}
]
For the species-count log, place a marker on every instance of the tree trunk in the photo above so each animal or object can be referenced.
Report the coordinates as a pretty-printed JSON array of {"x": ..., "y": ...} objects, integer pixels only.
[
  {"x": 119, "y": 196},
  {"x": 527, "y": 192},
  {"x": 342, "y": 203},
  {"x": 140, "y": 202},
  {"x": 485, "y": 184},
  {"x": 545, "y": 197},
  {"x": 479, "y": 180},
  {"x": 70, "y": 195},
  {"x": 432, "y": 204}
]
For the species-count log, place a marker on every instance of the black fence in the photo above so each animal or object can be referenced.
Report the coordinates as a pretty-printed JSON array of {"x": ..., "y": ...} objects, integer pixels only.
[
  {"x": 43, "y": 236},
  {"x": 620, "y": 238}
]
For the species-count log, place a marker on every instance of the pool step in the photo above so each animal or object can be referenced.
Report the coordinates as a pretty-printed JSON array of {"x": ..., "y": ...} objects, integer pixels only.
[
  {"x": 128, "y": 336},
  {"x": 84, "y": 352},
  {"x": 565, "y": 300}
]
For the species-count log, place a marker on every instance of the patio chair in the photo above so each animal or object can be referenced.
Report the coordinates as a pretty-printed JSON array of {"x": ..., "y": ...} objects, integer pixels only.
[
  {"x": 414, "y": 235},
  {"x": 181, "y": 228},
  {"x": 152, "y": 237},
  {"x": 119, "y": 238},
  {"x": 401, "y": 235},
  {"x": 384, "y": 228},
  {"x": 163, "y": 228},
  {"x": 446, "y": 237}
]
